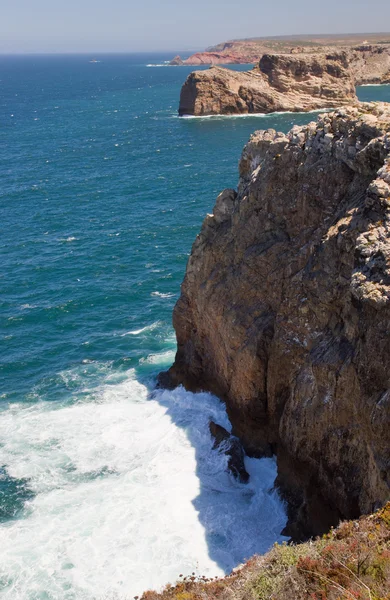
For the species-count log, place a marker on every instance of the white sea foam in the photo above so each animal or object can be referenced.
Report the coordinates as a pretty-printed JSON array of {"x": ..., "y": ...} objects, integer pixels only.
[
  {"x": 71, "y": 238},
  {"x": 145, "y": 329},
  {"x": 250, "y": 115},
  {"x": 160, "y": 358},
  {"x": 162, "y": 295},
  {"x": 243, "y": 116},
  {"x": 128, "y": 494}
]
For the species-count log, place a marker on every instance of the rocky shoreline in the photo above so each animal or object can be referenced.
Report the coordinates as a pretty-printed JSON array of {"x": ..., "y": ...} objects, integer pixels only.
[{"x": 285, "y": 309}]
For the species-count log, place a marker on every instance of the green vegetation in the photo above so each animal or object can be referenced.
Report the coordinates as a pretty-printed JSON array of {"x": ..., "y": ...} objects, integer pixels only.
[{"x": 351, "y": 562}]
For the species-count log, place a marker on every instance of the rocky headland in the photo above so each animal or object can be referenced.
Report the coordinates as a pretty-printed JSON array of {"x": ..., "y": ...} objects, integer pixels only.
[
  {"x": 285, "y": 312},
  {"x": 280, "y": 82},
  {"x": 368, "y": 54},
  {"x": 233, "y": 52}
]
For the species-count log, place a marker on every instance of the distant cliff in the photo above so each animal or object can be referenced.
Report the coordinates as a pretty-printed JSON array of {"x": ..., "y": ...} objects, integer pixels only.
[
  {"x": 370, "y": 64},
  {"x": 368, "y": 54},
  {"x": 285, "y": 312},
  {"x": 280, "y": 82}
]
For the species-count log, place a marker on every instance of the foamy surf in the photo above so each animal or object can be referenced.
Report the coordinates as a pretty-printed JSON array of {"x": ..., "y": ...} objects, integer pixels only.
[
  {"x": 127, "y": 493},
  {"x": 255, "y": 115},
  {"x": 163, "y": 64}
]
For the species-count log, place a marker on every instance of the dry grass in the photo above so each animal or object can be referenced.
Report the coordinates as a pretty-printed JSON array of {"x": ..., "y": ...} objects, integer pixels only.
[{"x": 351, "y": 562}]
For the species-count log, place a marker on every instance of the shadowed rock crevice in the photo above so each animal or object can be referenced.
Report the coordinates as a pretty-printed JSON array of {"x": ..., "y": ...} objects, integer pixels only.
[{"x": 285, "y": 312}]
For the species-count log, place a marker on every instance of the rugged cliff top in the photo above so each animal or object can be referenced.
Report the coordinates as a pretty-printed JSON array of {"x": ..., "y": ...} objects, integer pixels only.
[{"x": 280, "y": 82}]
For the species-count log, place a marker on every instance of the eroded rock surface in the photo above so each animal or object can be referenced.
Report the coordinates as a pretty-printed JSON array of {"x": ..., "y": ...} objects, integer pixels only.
[
  {"x": 285, "y": 311},
  {"x": 280, "y": 82},
  {"x": 370, "y": 64}
]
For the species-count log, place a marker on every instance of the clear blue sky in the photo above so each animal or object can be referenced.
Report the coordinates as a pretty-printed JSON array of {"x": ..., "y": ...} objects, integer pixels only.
[{"x": 142, "y": 25}]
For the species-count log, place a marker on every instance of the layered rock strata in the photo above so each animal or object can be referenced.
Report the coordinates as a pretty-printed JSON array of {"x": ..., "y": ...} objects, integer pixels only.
[
  {"x": 280, "y": 82},
  {"x": 285, "y": 311}
]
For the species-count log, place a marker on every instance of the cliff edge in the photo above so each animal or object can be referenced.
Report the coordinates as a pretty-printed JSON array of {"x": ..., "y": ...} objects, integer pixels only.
[
  {"x": 280, "y": 82},
  {"x": 285, "y": 312},
  {"x": 352, "y": 561}
]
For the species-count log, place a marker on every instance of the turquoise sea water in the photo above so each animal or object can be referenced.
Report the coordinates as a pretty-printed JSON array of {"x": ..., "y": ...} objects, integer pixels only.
[{"x": 105, "y": 486}]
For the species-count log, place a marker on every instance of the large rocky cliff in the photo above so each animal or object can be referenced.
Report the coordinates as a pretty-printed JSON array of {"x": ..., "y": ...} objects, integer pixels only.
[
  {"x": 285, "y": 311},
  {"x": 280, "y": 82}
]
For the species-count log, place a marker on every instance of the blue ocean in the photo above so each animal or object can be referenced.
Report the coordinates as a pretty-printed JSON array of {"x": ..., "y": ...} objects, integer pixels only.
[{"x": 107, "y": 486}]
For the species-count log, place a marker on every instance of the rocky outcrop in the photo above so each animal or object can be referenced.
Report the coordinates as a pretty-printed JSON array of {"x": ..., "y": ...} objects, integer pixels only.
[
  {"x": 370, "y": 64},
  {"x": 233, "y": 449},
  {"x": 281, "y": 82},
  {"x": 285, "y": 311},
  {"x": 176, "y": 61}
]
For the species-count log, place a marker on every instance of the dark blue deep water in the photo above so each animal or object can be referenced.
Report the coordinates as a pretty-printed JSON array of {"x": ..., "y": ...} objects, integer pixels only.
[{"x": 103, "y": 190}]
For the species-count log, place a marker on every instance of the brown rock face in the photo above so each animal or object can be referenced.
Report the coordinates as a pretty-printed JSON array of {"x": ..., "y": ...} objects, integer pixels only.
[
  {"x": 370, "y": 64},
  {"x": 285, "y": 311},
  {"x": 281, "y": 82}
]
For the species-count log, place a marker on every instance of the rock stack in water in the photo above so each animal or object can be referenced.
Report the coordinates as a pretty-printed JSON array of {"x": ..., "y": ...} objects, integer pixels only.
[
  {"x": 285, "y": 311},
  {"x": 280, "y": 82}
]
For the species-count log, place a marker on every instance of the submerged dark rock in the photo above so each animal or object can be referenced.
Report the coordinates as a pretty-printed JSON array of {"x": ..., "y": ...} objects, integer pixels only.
[{"x": 232, "y": 447}]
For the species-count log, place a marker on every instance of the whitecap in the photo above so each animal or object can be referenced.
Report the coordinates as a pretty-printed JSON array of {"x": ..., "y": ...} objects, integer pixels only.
[
  {"x": 150, "y": 327},
  {"x": 162, "y": 295},
  {"x": 71, "y": 238}
]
